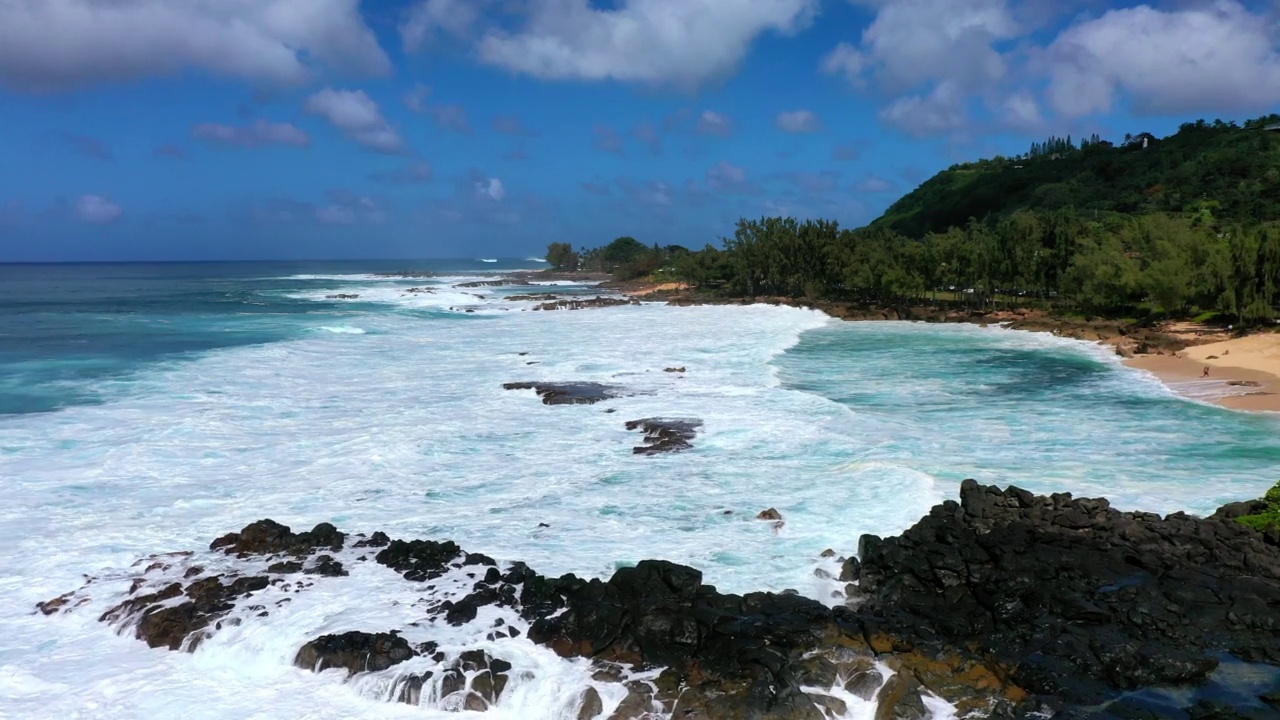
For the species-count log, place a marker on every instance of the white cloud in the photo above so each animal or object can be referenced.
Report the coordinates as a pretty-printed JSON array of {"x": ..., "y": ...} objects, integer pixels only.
[
  {"x": 260, "y": 132},
  {"x": 798, "y": 121},
  {"x": 728, "y": 178},
  {"x": 916, "y": 41},
  {"x": 491, "y": 188},
  {"x": 356, "y": 114},
  {"x": 1214, "y": 57},
  {"x": 932, "y": 54},
  {"x": 847, "y": 61},
  {"x": 1022, "y": 112},
  {"x": 97, "y": 210},
  {"x": 425, "y": 19},
  {"x": 60, "y": 44},
  {"x": 681, "y": 42},
  {"x": 714, "y": 123},
  {"x": 942, "y": 110}
]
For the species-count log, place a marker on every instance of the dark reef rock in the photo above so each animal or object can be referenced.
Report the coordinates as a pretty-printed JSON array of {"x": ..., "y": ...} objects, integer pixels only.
[
  {"x": 163, "y": 621},
  {"x": 1005, "y": 604},
  {"x": 1076, "y": 599},
  {"x": 487, "y": 283},
  {"x": 342, "y": 296},
  {"x": 581, "y": 304},
  {"x": 267, "y": 537},
  {"x": 538, "y": 297},
  {"x": 665, "y": 435},
  {"x": 569, "y": 393},
  {"x": 355, "y": 651},
  {"x": 419, "y": 560}
]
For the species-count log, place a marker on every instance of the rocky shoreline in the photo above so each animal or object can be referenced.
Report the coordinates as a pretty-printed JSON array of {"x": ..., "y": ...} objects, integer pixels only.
[{"x": 1003, "y": 604}]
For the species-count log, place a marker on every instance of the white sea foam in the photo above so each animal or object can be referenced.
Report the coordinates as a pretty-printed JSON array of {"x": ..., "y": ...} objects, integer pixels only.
[
  {"x": 342, "y": 329},
  {"x": 407, "y": 429}
]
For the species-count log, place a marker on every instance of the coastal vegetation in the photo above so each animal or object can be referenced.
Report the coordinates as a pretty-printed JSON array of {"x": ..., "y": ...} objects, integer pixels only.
[
  {"x": 1182, "y": 226},
  {"x": 1269, "y": 515}
]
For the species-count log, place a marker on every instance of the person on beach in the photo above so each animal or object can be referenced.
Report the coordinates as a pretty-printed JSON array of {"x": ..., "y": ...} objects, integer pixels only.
[{"x": 1206, "y": 371}]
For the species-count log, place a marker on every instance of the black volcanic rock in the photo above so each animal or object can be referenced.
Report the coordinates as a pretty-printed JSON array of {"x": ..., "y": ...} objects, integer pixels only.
[
  {"x": 569, "y": 393},
  {"x": 355, "y": 651},
  {"x": 268, "y": 537},
  {"x": 419, "y": 560},
  {"x": 583, "y": 303},
  {"x": 1077, "y": 599},
  {"x": 665, "y": 435},
  {"x": 1005, "y": 604}
]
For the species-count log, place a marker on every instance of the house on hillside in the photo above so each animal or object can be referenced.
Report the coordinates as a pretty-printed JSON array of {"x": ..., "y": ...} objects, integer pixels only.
[{"x": 1273, "y": 127}]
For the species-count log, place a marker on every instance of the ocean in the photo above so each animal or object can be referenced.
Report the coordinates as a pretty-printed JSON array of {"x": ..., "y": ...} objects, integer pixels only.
[{"x": 152, "y": 408}]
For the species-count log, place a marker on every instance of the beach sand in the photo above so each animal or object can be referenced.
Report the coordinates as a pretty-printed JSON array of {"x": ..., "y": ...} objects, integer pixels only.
[{"x": 1244, "y": 373}]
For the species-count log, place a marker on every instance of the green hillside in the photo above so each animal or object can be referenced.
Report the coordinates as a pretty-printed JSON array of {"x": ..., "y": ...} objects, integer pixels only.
[{"x": 1228, "y": 171}]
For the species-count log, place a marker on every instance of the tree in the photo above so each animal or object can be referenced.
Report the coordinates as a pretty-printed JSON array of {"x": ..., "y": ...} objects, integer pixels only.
[{"x": 561, "y": 257}]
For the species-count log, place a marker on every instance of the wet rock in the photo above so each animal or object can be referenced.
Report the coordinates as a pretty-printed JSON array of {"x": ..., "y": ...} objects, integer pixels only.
[
  {"x": 378, "y": 539},
  {"x": 537, "y": 297},
  {"x": 770, "y": 514},
  {"x": 356, "y": 652},
  {"x": 162, "y": 621},
  {"x": 568, "y": 393},
  {"x": 580, "y": 304},
  {"x": 419, "y": 560},
  {"x": 486, "y": 283},
  {"x": 665, "y": 435},
  {"x": 267, "y": 537},
  {"x": 674, "y": 369},
  {"x": 326, "y": 566},
  {"x": 592, "y": 706},
  {"x": 342, "y": 296},
  {"x": 850, "y": 569},
  {"x": 1078, "y": 600}
]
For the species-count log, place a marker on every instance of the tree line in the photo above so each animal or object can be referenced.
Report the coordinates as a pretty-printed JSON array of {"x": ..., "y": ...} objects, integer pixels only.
[{"x": 1115, "y": 266}]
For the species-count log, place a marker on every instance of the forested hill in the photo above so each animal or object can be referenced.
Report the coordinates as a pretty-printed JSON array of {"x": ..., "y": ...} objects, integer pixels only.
[{"x": 1227, "y": 171}]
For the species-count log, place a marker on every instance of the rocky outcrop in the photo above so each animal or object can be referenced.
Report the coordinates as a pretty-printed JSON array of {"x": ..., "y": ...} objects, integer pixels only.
[
  {"x": 487, "y": 283},
  {"x": 569, "y": 393},
  {"x": 342, "y": 296},
  {"x": 356, "y": 652},
  {"x": 580, "y": 304},
  {"x": 267, "y": 537},
  {"x": 1005, "y": 604},
  {"x": 665, "y": 435},
  {"x": 1077, "y": 600}
]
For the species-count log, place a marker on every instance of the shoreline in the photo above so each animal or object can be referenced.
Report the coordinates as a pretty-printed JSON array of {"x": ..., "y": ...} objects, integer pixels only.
[{"x": 1175, "y": 353}]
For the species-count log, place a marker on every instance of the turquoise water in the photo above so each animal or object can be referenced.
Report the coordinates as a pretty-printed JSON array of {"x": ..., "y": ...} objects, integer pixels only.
[
  {"x": 1046, "y": 414},
  {"x": 66, "y": 330},
  {"x": 148, "y": 409}
]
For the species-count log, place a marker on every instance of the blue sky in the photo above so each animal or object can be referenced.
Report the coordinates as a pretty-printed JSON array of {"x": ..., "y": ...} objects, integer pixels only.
[{"x": 281, "y": 129}]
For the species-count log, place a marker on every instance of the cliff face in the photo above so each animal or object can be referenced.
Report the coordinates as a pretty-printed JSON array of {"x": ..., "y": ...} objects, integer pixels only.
[{"x": 1005, "y": 604}]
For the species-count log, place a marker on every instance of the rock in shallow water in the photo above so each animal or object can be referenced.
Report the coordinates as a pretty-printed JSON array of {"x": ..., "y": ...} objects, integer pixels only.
[
  {"x": 354, "y": 651},
  {"x": 665, "y": 435},
  {"x": 569, "y": 393}
]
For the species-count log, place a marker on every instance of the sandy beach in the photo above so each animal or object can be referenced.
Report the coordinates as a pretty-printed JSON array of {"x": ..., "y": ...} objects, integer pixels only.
[{"x": 1244, "y": 372}]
